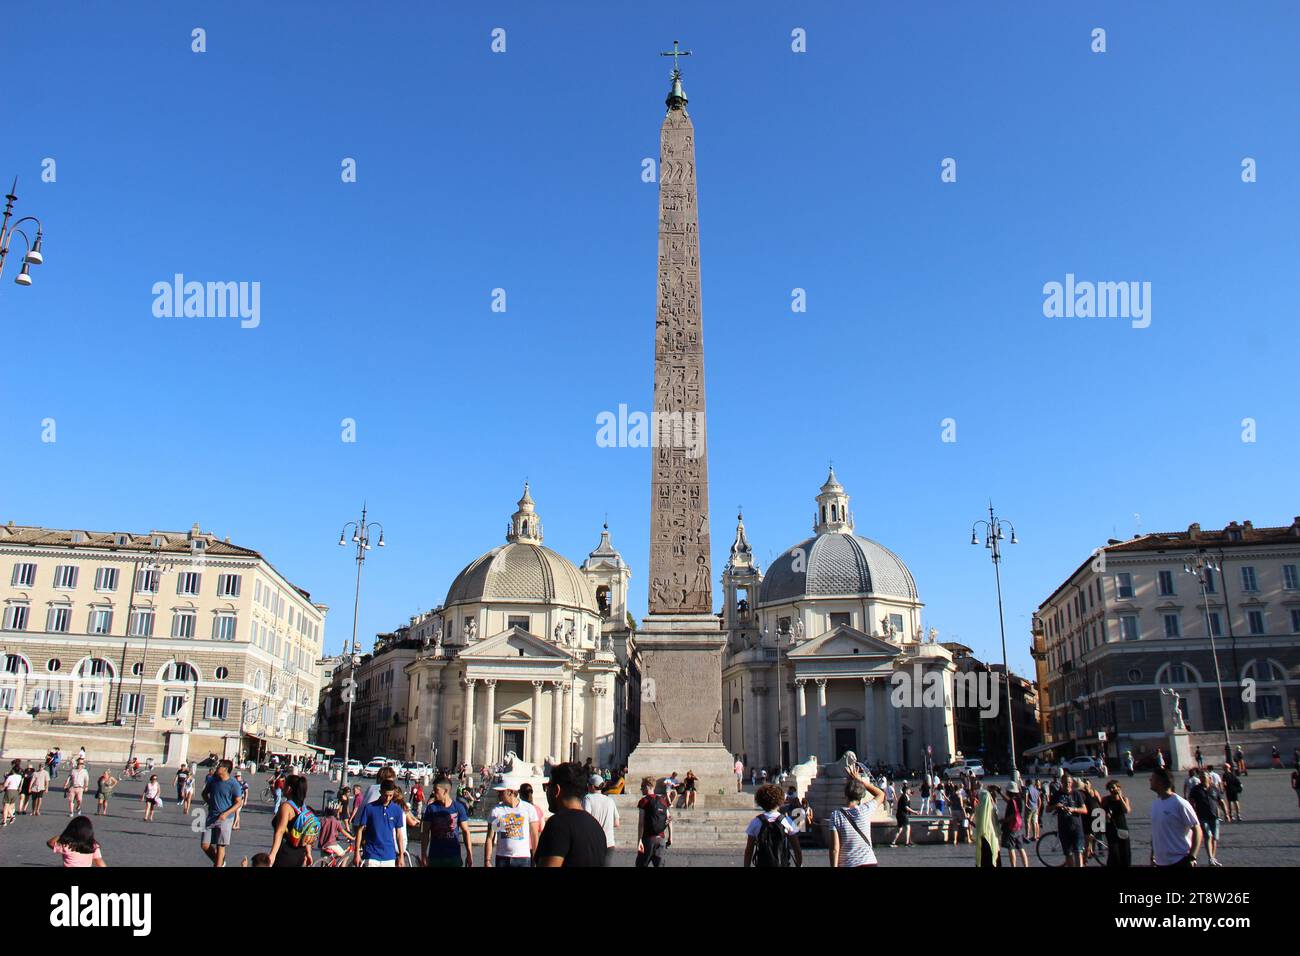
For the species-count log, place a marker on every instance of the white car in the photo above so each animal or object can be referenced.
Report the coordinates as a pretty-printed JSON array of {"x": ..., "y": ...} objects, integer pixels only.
[
  {"x": 412, "y": 770},
  {"x": 376, "y": 764},
  {"x": 971, "y": 765},
  {"x": 1082, "y": 766},
  {"x": 354, "y": 768}
]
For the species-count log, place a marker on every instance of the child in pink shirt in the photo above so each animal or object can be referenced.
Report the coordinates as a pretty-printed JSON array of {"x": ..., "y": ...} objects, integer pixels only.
[{"x": 76, "y": 844}]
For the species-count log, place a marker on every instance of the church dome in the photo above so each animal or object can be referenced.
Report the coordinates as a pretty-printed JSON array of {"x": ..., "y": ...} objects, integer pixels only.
[
  {"x": 521, "y": 571},
  {"x": 839, "y": 564},
  {"x": 835, "y": 561}
]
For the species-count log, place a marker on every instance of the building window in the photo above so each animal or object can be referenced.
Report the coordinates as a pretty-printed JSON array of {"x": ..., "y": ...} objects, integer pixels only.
[
  {"x": 14, "y": 665},
  {"x": 517, "y": 620},
  {"x": 1134, "y": 675},
  {"x": 8, "y": 697},
  {"x": 1290, "y": 580},
  {"x": 1208, "y": 578},
  {"x": 53, "y": 665},
  {"x": 183, "y": 624},
  {"x": 215, "y": 708},
  {"x": 223, "y": 627},
  {"x": 1295, "y": 620},
  {"x": 1172, "y": 628},
  {"x": 1138, "y": 711},
  {"x": 223, "y": 672},
  {"x": 188, "y": 582},
  {"x": 65, "y": 577},
  {"x": 88, "y": 702},
  {"x": 228, "y": 585},
  {"x": 1255, "y": 619},
  {"x": 1124, "y": 584},
  {"x": 59, "y": 620},
  {"x": 130, "y": 705},
  {"x": 173, "y": 704},
  {"x": 101, "y": 621},
  {"x": 24, "y": 576},
  {"x": 1248, "y": 582},
  {"x": 106, "y": 579},
  {"x": 257, "y": 591},
  {"x": 16, "y": 617},
  {"x": 846, "y": 619},
  {"x": 1177, "y": 674},
  {"x": 1268, "y": 707},
  {"x": 896, "y": 624},
  {"x": 142, "y": 623},
  {"x": 146, "y": 582},
  {"x": 95, "y": 667},
  {"x": 1165, "y": 579},
  {"x": 1128, "y": 627},
  {"x": 1216, "y": 629},
  {"x": 179, "y": 671},
  {"x": 137, "y": 668}
]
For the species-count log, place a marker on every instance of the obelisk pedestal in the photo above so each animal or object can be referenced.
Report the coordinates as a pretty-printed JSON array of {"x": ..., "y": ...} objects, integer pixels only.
[{"x": 680, "y": 642}]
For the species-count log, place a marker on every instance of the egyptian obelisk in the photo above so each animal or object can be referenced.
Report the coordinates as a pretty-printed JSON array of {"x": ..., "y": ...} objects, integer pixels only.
[{"x": 680, "y": 642}]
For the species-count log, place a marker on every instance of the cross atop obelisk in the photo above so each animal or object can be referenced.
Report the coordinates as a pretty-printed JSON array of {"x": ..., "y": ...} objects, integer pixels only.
[{"x": 676, "y": 95}]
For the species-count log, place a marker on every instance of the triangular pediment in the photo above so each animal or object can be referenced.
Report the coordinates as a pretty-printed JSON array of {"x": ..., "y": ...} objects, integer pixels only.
[
  {"x": 508, "y": 644},
  {"x": 845, "y": 641}
]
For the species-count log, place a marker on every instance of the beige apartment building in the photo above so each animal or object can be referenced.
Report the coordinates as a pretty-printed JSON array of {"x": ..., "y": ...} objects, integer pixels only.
[
  {"x": 182, "y": 641},
  {"x": 1131, "y": 625}
]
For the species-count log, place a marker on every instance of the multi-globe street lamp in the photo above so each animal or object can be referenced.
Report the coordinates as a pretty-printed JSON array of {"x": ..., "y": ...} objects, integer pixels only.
[
  {"x": 1201, "y": 565},
  {"x": 33, "y": 256},
  {"x": 361, "y": 538},
  {"x": 993, "y": 536}
]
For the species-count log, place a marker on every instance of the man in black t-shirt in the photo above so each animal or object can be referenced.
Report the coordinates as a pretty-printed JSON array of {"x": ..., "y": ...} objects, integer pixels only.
[
  {"x": 1069, "y": 806},
  {"x": 572, "y": 836}
]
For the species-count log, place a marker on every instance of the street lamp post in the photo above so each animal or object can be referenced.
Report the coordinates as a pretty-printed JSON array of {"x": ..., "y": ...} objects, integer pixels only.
[
  {"x": 361, "y": 538},
  {"x": 1201, "y": 565},
  {"x": 993, "y": 535},
  {"x": 150, "y": 568},
  {"x": 33, "y": 256}
]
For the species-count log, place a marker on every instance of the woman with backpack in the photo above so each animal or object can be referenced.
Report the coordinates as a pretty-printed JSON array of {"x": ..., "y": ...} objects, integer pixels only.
[
  {"x": 296, "y": 826},
  {"x": 1013, "y": 824},
  {"x": 770, "y": 838}
]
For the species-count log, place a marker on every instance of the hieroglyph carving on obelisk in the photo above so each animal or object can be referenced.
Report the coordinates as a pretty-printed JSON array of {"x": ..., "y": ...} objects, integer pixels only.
[{"x": 681, "y": 578}]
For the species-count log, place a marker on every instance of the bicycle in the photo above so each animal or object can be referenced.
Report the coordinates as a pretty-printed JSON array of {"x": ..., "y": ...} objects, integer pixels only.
[
  {"x": 268, "y": 794},
  {"x": 1050, "y": 853}
]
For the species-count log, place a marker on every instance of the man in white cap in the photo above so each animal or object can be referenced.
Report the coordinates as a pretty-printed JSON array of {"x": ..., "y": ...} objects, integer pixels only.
[
  {"x": 512, "y": 829},
  {"x": 605, "y": 811}
]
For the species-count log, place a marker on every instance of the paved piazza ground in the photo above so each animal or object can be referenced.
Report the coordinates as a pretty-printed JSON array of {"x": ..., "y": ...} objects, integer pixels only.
[{"x": 1267, "y": 837}]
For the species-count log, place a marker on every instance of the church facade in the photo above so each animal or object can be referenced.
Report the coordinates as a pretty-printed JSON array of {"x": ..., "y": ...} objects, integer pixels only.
[
  {"x": 528, "y": 654},
  {"x": 825, "y": 653}
]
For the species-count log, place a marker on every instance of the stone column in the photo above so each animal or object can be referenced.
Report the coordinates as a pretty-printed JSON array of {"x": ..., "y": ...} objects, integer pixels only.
[
  {"x": 567, "y": 735},
  {"x": 791, "y": 715},
  {"x": 535, "y": 755},
  {"x": 432, "y": 713},
  {"x": 868, "y": 752},
  {"x": 557, "y": 720},
  {"x": 601, "y": 741},
  {"x": 800, "y": 690},
  {"x": 897, "y": 747},
  {"x": 823, "y": 725},
  {"x": 490, "y": 722},
  {"x": 880, "y": 691},
  {"x": 758, "y": 753},
  {"x": 467, "y": 723}
]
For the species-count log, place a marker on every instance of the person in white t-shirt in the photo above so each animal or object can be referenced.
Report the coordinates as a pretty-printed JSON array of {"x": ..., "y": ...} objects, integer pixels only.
[
  {"x": 771, "y": 839},
  {"x": 512, "y": 831},
  {"x": 1175, "y": 828},
  {"x": 13, "y": 784},
  {"x": 77, "y": 782},
  {"x": 739, "y": 769},
  {"x": 605, "y": 812}
]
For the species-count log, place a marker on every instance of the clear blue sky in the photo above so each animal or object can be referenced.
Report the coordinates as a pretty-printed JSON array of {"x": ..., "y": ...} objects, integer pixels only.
[{"x": 522, "y": 171}]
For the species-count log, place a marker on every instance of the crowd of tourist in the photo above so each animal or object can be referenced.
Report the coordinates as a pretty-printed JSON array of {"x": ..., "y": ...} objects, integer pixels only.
[{"x": 574, "y": 822}]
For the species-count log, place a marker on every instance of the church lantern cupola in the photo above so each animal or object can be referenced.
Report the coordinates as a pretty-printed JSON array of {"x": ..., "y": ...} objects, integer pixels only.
[
  {"x": 833, "y": 507},
  {"x": 525, "y": 525}
]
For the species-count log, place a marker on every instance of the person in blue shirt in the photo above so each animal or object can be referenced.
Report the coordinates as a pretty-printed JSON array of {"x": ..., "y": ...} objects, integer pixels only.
[
  {"x": 377, "y": 830},
  {"x": 446, "y": 824},
  {"x": 224, "y": 796}
]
